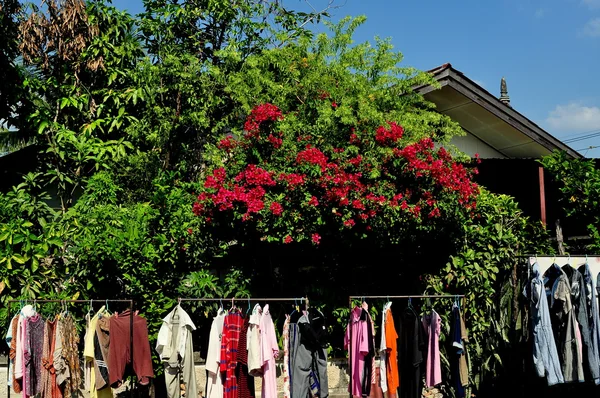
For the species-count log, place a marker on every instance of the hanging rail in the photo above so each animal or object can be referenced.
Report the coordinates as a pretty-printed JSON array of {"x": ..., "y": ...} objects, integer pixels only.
[
  {"x": 35, "y": 301},
  {"x": 350, "y": 298},
  {"x": 244, "y": 299},
  {"x": 248, "y": 299},
  {"x": 411, "y": 296}
]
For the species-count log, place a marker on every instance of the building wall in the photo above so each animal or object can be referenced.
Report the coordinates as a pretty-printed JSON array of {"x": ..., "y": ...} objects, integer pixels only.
[{"x": 471, "y": 145}]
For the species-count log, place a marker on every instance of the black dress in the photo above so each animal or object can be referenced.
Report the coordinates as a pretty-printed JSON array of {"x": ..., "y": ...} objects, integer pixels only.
[{"x": 412, "y": 354}]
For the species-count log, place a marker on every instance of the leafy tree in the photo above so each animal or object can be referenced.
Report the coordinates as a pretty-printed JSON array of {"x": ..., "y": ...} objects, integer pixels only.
[
  {"x": 579, "y": 184},
  {"x": 347, "y": 146},
  {"x": 11, "y": 91}
]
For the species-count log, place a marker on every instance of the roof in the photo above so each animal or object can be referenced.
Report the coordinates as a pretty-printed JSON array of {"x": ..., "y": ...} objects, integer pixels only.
[{"x": 488, "y": 120}]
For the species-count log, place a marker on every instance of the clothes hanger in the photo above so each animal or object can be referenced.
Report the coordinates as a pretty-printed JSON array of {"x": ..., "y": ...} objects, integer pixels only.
[{"x": 248, "y": 310}]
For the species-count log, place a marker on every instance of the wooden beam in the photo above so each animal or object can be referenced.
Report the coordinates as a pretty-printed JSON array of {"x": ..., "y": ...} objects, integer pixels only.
[{"x": 542, "y": 195}]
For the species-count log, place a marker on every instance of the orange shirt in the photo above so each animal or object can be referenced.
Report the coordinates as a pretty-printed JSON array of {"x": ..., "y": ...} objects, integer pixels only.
[{"x": 392, "y": 357}]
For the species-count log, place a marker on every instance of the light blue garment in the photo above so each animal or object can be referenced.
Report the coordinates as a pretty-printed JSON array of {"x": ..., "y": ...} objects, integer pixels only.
[
  {"x": 9, "y": 338},
  {"x": 593, "y": 319},
  {"x": 545, "y": 355}
]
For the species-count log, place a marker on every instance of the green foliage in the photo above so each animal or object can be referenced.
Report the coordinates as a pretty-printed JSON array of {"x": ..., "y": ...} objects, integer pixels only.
[
  {"x": 344, "y": 122},
  {"x": 482, "y": 270},
  {"x": 579, "y": 184}
]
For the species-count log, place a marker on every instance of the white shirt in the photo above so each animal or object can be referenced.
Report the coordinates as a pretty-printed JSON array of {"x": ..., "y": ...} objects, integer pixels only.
[
  {"x": 253, "y": 343},
  {"x": 213, "y": 357}
]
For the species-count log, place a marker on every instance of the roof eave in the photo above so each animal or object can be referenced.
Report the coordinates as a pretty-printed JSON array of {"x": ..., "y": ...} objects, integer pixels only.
[{"x": 447, "y": 75}]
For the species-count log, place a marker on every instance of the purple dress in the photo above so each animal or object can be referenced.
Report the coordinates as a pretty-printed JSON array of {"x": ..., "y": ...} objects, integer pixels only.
[{"x": 432, "y": 326}]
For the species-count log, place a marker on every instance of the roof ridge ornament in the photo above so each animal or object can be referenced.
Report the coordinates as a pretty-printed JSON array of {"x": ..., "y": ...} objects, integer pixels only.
[{"x": 504, "y": 98}]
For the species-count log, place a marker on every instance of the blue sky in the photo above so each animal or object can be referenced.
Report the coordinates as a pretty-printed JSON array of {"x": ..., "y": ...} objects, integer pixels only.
[{"x": 548, "y": 50}]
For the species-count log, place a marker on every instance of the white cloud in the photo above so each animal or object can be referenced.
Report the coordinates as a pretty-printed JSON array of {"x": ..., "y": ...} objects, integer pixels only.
[
  {"x": 574, "y": 117},
  {"x": 591, "y": 3},
  {"x": 541, "y": 12},
  {"x": 592, "y": 28}
]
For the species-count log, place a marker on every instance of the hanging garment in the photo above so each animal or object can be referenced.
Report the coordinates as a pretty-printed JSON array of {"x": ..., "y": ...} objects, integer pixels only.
[
  {"x": 457, "y": 351},
  {"x": 432, "y": 324},
  {"x": 253, "y": 343},
  {"x": 391, "y": 339},
  {"x": 545, "y": 353},
  {"x": 101, "y": 352},
  {"x": 593, "y": 351},
  {"x": 232, "y": 327},
  {"x": 562, "y": 315},
  {"x": 88, "y": 365},
  {"x": 119, "y": 355},
  {"x": 269, "y": 351},
  {"x": 9, "y": 338},
  {"x": 16, "y": 384},
  {"x": 582, "y": 327},
  {"x": 357, "y": 342},
  {"x": 371, "y": 379},
  {"x": 90, "y": 370},
  {"x": 286, "y": 357},
  {"x": 245, "y": 382},
  {"x": 294, "y": 344},
  {"x": 214, "y": 382},
  {"x": 33, "y": 351},
  {"x": 412, "y": 354},
  {"x": 49, "y": 386},
  {"x": 66, "y": 357},
  {"x": 383, "y": 352},
  {"x": 176, "y": 352},
  {"x": 309, "y": 361},
  {"x": 20, "y": 374}
]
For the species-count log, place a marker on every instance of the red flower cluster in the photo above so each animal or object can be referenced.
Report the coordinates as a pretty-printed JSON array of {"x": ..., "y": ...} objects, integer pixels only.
[
  {"x": 255, "y": 175},
  {"x": 227, "y": 144},
  {"x": 313, "y": 156},
  {"x": 276, "y": 208},
  {"x": 313, "y": 201},
  {"x": 352, "y": 189},
  {"x": 261, "y": 113},
  {"x": 448, "y": 174},
  {"x": 389, "y": 136},
  {"x": 293, "y": 180},
  {"x": 277, "y": 142}
]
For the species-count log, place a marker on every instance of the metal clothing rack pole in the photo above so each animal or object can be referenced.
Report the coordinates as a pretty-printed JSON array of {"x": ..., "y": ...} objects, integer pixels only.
[
  {"x": 233, "y": 299},
  {"x": 350, "y": 298},
  {"x": 35, "y": 301}
]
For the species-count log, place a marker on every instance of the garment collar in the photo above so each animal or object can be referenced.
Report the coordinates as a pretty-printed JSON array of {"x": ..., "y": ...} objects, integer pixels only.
[{"x": 184, "y": 318}]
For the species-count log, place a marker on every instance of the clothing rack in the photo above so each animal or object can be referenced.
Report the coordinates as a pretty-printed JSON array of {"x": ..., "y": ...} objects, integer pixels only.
[
  {"x": 91, "y": 301},
  {"x": 248, "y": 299},
  {"x": 418, "y": 296}
]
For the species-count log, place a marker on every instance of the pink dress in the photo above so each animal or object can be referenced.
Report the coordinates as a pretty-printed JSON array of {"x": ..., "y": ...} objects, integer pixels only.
[
  {"x": 358, "y": 345},
  {"x": 269, "y": 351},
  {"x": 432, "y": 326}
]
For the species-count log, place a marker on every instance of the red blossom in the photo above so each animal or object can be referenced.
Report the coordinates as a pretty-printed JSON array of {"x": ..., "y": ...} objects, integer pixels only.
[
  {"x": 334, "y": 104},
  {"x": 190, "y": 231},
  {"x": 357, "y": 204},
  {"x": 277, "y": 142},
  {"x": 316, "y": 238},
  {"x": 292, "y": 179},
  {"x": 354, "y": 138},
  {"x": 313, "y": 201},
  {"x": 434, "y": 213},
  {"x": 385, "y": 136},
  {"x": 288, "y": 239},
  {"x": 312, "y": 156},
  {"x": 259, "y": 114},
  {"x": 255, "y": 175},
  {"x": 276, "y": 208},
  {"x": 349, "y": 223},
  {"x": 227, "y": 143}
]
